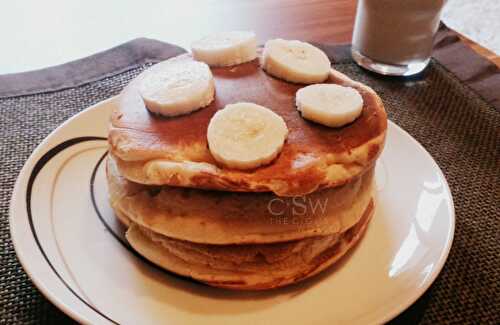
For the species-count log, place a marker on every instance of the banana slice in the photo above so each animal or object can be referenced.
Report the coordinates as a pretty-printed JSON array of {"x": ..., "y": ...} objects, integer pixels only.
[
  {"x": 246, "y": 135},
  {"x": 176, "y": 86},
  {"x": 329, "y": 104},
  {"x": 295, "y": 61},
  {"x": 226, "y": 49}
]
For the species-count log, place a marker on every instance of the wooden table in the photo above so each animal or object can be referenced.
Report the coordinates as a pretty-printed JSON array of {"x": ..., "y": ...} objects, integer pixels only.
[
  {"x": 55, "y": 32},
  {"x": 321, "y": 21},
  {"x": 483, "y": 51}
]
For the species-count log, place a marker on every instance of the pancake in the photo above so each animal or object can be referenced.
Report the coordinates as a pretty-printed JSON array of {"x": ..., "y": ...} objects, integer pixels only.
[
  {"x": 247, "y": 267},
  {"x": 118, "y": 189},
  {"x": 155, "y": 150},
  {"x": 217, "y": 217}
]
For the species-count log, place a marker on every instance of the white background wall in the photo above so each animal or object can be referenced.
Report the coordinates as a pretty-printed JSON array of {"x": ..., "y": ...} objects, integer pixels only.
[{"x": 479, "y": 20}]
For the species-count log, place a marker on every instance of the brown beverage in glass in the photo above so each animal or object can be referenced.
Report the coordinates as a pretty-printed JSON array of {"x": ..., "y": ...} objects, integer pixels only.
[{"x": 395, "y": 37}]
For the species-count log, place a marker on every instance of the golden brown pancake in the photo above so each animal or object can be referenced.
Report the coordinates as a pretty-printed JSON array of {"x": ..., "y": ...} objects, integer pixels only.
[
  {"x": 155, "y": 150},
  {"x": 247, "y": 267},
  {"x": 217, "y": 217}
]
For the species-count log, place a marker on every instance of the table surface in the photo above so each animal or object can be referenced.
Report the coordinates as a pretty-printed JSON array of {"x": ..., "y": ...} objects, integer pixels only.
[{"x": 44, "y": 33}]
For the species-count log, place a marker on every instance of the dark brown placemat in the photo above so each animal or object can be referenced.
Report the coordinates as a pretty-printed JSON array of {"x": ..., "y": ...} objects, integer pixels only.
[{"x": 456, "y": 120}]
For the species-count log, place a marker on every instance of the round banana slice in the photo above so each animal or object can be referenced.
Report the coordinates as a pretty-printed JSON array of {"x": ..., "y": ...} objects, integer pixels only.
[
  {"x": 226, "y": 49},
  {"x": 329, "y": 104},
  {"x": 246, "y": 135},
  {"x": 176, "y": 86},
  {"x": 295, "y": 61}
]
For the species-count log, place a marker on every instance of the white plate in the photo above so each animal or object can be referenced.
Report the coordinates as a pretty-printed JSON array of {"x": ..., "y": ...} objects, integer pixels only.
[{"x": 79, "y": 260}]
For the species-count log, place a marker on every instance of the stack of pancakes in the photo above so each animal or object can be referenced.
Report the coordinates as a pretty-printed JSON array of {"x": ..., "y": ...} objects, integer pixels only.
[{"x": 243, "y": 229}]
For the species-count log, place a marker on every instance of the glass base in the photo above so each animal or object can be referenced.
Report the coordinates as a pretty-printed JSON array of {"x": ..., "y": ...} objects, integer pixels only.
[{"x": 389, "y": 69}]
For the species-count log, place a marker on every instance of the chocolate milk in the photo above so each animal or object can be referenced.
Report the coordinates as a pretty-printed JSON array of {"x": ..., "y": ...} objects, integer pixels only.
[{"x": 396, "y": 32}]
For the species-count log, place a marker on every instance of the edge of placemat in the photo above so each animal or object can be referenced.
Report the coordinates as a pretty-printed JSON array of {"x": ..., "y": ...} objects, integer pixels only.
[
  {"x": 474, "y": 70},
  {"x": 471, "y": 68},
  {"x": 450, "y": 51},
  {"x": 75, "y": 73}
]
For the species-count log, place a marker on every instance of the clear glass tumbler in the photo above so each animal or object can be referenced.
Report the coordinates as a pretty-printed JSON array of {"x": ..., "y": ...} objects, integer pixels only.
[{"x": 395, "y": 37}]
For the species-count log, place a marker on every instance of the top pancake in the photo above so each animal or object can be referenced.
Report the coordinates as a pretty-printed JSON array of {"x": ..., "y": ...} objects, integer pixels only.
[{"x": 151, "y": 149}]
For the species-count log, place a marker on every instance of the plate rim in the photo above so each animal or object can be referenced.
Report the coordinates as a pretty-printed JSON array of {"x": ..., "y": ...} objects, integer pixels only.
[
  {"x": 45, "y": 146},
  {"x": 403, "y": 306},
  {"x": 18, "y": 187}
]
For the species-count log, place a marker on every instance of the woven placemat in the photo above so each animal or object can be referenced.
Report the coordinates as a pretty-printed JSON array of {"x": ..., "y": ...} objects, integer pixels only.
[{"x": 453, "y": 120}]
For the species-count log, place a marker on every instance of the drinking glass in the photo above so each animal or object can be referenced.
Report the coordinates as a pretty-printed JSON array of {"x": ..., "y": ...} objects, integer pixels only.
[{"x": 395, "y": 37}]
